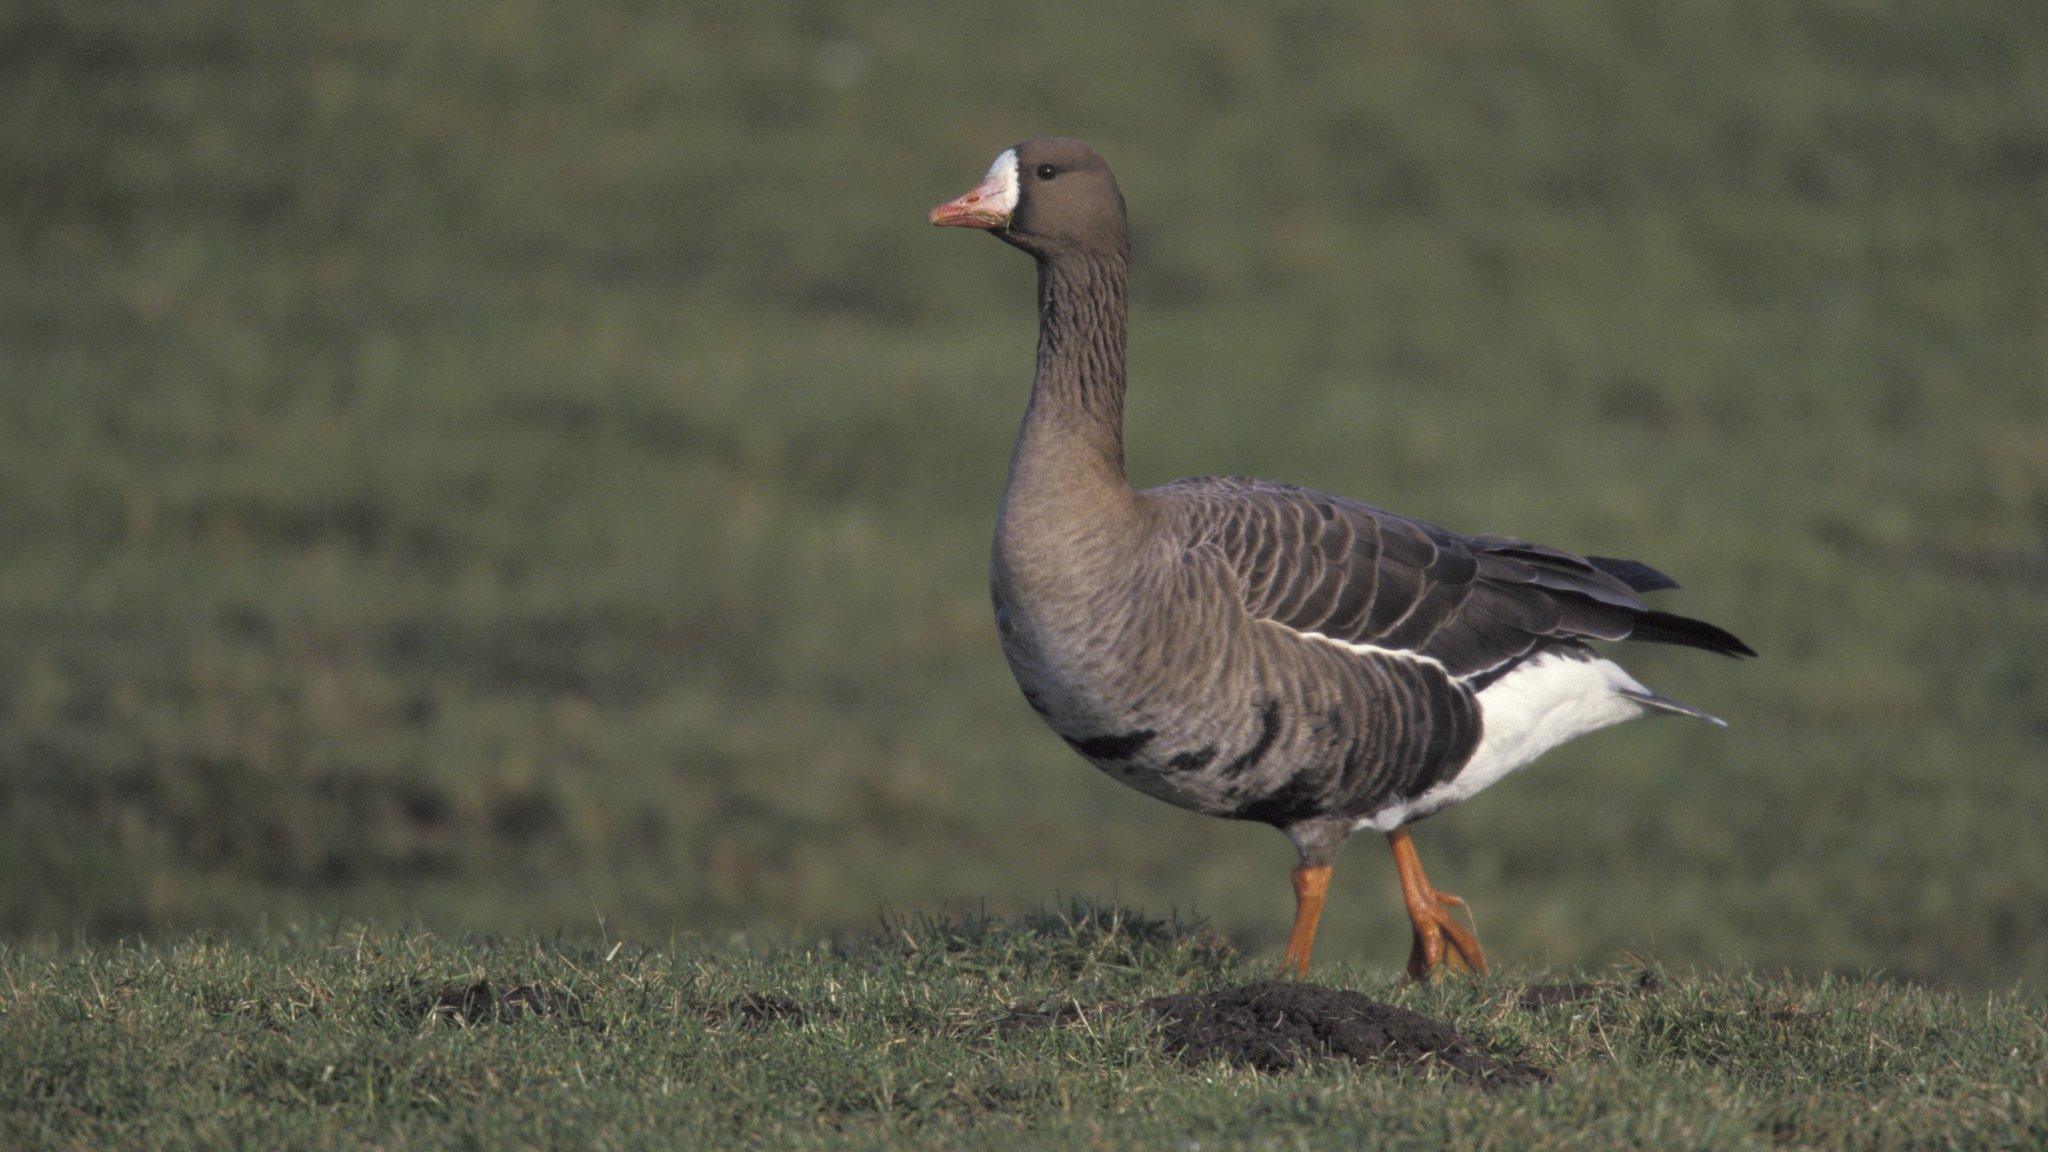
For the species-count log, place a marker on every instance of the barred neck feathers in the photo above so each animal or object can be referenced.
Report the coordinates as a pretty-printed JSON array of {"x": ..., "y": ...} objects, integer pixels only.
[{"x": 1077, "y": 395}]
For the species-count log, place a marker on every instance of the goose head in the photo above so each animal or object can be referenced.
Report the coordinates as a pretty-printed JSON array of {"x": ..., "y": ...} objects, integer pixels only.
[{"x": 1047, "y": 196}]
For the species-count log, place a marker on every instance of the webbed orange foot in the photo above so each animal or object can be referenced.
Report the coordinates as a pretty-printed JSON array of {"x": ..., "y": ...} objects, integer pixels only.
[{"x": 1442, "y": 941}]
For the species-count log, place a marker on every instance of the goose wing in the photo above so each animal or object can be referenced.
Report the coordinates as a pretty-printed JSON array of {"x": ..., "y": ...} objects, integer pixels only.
[{"x": 1354, "y": 574}]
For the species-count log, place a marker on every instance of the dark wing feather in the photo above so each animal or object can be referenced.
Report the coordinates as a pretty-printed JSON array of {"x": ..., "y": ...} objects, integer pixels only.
[
  {"x": 1347, "y": 571},
  {"x": 1634, "y": 573}
]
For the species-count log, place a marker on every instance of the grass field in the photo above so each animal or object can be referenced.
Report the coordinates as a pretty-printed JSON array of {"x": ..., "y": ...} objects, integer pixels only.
[
  {"x": 896, "y": 1039},
  {"x": 517, "y": 476},
  {"x": 507, "y": 467}
]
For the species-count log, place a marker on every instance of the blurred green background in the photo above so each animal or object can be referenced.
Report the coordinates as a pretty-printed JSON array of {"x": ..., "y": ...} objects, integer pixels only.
[{"x": 515, "y": 465}]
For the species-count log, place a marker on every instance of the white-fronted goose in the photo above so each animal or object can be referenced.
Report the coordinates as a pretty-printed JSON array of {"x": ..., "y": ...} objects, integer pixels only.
[{"x": 1260, "y": 651}]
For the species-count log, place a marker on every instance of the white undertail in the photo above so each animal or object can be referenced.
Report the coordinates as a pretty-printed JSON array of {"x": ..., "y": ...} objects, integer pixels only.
[{"x": 1542, "y": 703}]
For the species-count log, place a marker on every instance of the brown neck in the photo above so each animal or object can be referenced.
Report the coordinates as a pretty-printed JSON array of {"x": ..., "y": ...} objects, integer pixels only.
[{"x": 1075, "y": 424}]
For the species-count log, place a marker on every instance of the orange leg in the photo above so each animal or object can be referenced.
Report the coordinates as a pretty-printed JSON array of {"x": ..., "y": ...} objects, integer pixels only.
[
  {"x": 1310, "y": 886},
  {"x": 1430, "y": 912}
]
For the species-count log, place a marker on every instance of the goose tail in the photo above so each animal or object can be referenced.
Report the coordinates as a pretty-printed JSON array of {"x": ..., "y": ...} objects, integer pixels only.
[{"x": 1658, "y": 703}]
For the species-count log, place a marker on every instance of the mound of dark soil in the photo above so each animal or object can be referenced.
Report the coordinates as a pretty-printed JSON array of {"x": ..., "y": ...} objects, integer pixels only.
[
  {"x": 479, "y": 1003},
  {"x": 1275, "y": 1025}
]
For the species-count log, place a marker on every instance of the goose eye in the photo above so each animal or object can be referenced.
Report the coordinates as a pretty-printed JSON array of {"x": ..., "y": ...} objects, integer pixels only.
[{"x": 1047, "y": 171}]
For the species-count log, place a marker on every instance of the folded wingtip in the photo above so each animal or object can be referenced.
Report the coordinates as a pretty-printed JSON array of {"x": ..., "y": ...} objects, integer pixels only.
[{"x": 1657, "y": 703}]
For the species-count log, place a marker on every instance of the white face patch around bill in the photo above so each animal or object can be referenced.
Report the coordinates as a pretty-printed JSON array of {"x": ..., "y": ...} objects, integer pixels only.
[{"x": 1002, "y": 180}]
